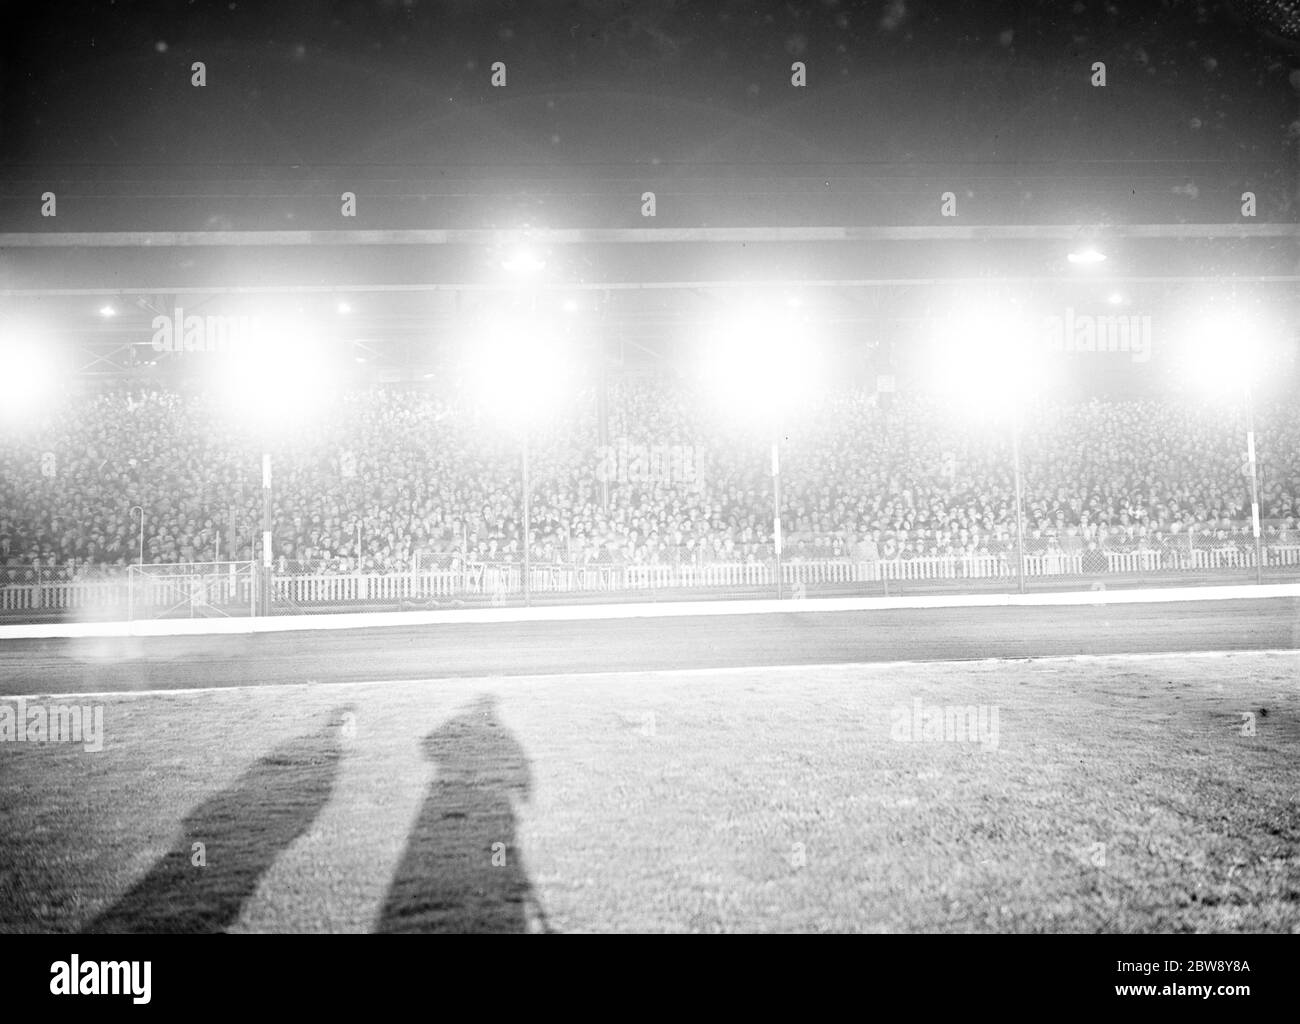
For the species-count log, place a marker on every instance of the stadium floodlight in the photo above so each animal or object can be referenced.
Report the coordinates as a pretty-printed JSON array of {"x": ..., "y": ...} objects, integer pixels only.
[
  {"x": 988, "y": 358},
  {"x": 278, "y": 380},
  {"x": 762, "y": 360},
  {"x": 1227, "y": 352},
  {"x": 517, "y": 367},
  {"x": 285, "y": 378},
  {"x": 31, "y": 375},
  {"x": 523, "y": 261},
  {"x": 1086, "y": 257}
]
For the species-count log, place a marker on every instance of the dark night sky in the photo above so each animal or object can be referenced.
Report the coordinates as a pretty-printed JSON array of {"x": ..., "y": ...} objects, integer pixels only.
[{"x": 393, "y": 97}]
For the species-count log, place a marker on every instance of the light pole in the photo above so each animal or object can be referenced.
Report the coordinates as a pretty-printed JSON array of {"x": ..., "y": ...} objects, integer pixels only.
[
  {"x": 528, "y": 523},
  {"x": 140, "y": 509},
  {"x": 1254, "y": 339},
  {"x": 266, "y": 533},
  {"x": 130, "y": 583},
  {"x": 761, "y": 359},
  {"x": 518, "y": 368},
  {"x": 1020, "y": 503},
  {"x": 988, "y": 359},
  {"x": 524, "y": 265},
  {"x": 776, "y": 510},
  {"x": 1254, "y": 483}
]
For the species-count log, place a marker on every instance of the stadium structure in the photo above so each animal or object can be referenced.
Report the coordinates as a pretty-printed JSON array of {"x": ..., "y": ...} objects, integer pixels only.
[
  {"x": 892, "y": 337},
  {"x": 860, "y": 510}
]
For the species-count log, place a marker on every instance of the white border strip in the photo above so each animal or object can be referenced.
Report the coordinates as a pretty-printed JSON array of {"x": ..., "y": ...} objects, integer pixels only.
[{"x": 567, "y": 613}]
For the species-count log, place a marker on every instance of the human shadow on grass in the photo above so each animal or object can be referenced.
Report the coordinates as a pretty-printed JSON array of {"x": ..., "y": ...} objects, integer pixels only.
[
  {"x": 462, "y": 870},
  {"x": 243, "y": 829}
]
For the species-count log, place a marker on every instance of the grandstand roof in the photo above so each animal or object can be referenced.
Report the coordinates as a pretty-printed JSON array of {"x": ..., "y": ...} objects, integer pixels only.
[{"x": 233, "y": 190}]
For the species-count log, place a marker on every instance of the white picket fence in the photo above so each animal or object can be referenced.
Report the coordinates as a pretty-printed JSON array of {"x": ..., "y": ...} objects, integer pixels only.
[
  {"x": 74, "y": 595},
  {"x": 506, "y": 580}
]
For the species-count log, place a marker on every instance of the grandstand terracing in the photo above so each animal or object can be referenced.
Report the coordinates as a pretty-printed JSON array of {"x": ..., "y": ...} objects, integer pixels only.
[{"x": 408, "y": 496}]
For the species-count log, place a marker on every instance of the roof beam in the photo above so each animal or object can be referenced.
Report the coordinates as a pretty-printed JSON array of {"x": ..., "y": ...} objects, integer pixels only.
[
  {"x": 607, "y": 286},
  {"x": 588, "y": 236}
]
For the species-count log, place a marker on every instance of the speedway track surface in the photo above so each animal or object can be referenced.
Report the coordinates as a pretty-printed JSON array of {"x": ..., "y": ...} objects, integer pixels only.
[{"x": 641, "y": 644}]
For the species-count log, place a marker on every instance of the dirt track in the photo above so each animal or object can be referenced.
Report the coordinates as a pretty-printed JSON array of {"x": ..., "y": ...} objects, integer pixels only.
[{"x": 62, "y": 666}]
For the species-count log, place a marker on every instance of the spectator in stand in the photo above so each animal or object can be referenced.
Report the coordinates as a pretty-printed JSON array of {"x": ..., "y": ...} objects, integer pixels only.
[{"x": 398, "y": 479}]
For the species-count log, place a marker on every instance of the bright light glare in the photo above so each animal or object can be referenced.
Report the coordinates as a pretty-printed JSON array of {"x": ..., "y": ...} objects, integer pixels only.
[
  {"x": 30, "y": 378},
  {"x": 762, "y": 361},
  {"x": 989, "y": 360},
  {"x": 282, "y": 380},
  {"x": 345, "y": 307},
  {"x": 516, "y": 367},
  {"x": 524, "y": 262},
  {"x": 107, "y": 311},
  {"x": 1225, "y": 351},
  {"x": 1086, "y": 256}
]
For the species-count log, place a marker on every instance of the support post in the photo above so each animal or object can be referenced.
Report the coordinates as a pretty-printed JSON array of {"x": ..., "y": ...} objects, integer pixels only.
[
  {"x": 528, "y": 524},
  {"x": 266, "y": 533},
  {"x": 1020, "y": 503},
  {"x": 1254, "y": 485},
  {"x": 776, "y": 512}
]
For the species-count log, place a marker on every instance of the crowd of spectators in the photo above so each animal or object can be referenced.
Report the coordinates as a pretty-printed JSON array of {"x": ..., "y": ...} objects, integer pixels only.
[{"x": 395, "y": 478}]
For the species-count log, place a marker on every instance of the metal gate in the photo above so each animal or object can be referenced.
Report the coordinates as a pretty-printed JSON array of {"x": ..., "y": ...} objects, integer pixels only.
[{"x": 194, "y": 590}]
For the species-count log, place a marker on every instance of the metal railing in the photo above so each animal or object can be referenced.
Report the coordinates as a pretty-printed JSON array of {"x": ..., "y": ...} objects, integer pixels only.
[
  {"x": 498, "y": 583},
  {"x": 232, "y": 588}
]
